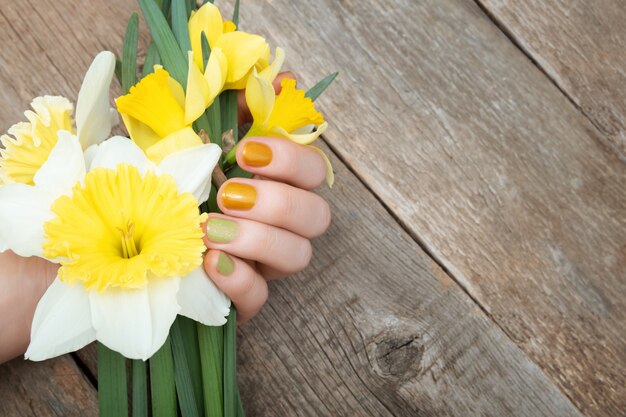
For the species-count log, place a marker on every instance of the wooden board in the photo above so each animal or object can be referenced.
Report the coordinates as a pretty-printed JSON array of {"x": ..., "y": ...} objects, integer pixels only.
[
  {"x": 46, "y": 389},
  {"x": 375, "y": 328},
  {"x": 488, "y": 166},
  {"x": 581, "y": 45}
]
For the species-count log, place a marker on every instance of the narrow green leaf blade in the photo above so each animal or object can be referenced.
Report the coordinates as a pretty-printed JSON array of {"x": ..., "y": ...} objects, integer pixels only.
[
  {"x": 140, "y": 389},
  {"x": 152, "y": 58},
  {"x": 173, "y": 58},
  {"x": 129, "y": 54},
  {"x": 230, "y": 364},
  {"x": 118, "y": 70},
  {"x": 206, "y": 48},
  {"x": 182, "y": 376},
  {"x": 319, "y": 88},
  {"x": 112, "y": 397},
  {"x": 236, "y": 14},
  {"x": 179, "y": 24},
  {"x": 228, "y": 104},
  {"x": 192, "y": 350},
  {"x": 162, "y": 385},
  {"x": 211, "y": 341}
]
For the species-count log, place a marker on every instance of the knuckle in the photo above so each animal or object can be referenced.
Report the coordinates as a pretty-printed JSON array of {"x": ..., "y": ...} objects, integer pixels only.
[
  {"x": 288, "y": 206},
  {"x": 271, "y": 240},
  {"x": 303, "y": 255}
]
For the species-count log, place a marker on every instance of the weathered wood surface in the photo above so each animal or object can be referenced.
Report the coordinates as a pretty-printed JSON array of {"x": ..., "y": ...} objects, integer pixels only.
[
  {"x": 487, "y": 164},
  {"x": 581, "y": 45},
  {"x": 375, "y": 327},
  {"x": 47, "y": 389}
]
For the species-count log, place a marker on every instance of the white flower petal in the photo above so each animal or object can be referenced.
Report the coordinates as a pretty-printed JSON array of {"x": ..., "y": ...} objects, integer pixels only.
[
  {"x": 89, "y": 154},
  {"x": 93, "y": 116},
  {"x": 62, "y": 322},
  {"x": 120, "y": 150},
  {"x": 200, "y": 300},
  {"x": 65, "y": 166},
  {"x": 23, "y": 211},
  {"x": 136, "y": 323},
  {"x": 192, "y": 169}
]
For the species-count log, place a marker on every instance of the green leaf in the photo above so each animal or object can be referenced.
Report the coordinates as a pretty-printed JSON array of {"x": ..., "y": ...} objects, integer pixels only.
[
  {"x": 236, "y": 14},
  {"x": 129, "y": 54},
  {"x": 182, "y": 376},
  {"x": 140, "y": 389},
  {"x": 319, "y": 88},
  {"x": 191, "y": 6},
  {"x": 213, "y": 113},
  {"x": 230, "y": 364},
  {"x": 228, "y": 104},
  {"x": 211, "y": 341},
  {"x": 152, "y": 58},
  {"x": 118, "y": 70},
  {"x": 162, "y": 386},
  {"x": 192, "y": 350},
  {"x": 173, "y": 58},
  {"x": 240, "y": 412},
  {"x": 112, "y": 396},
  {"x": 206, "y": 48},
  {"x": 179, "y": 25}
]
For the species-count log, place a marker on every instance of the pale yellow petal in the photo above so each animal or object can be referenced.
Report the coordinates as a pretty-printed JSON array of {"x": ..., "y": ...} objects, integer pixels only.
[
  {"x": 216, "y": 72},
  {"x": 198, "y": 92},
  {"x": 207, "y": 19},
  {"x": 270, "y": 72},
  {"x": 140, "y": 133},
  {"x": 330, "y": 175},
  {"x": 229, "y": 26},
  {"x": 242, "y": 51},
  {"x": 177, "y": 141},
  {"x": 302, "y": 139},
  {"x": 260, "y": 97}
]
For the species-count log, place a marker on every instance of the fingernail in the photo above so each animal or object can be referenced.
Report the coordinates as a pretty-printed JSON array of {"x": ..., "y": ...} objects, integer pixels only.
[
  {"x": 221, "y": 230},
  {"x": 237, "y": 196},
  {"x": 225, "y": 264},
  {"x": 257, "y": 154}
]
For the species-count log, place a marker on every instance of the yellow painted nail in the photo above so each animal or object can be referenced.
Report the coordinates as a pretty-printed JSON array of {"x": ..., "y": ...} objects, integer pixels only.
[
  {"x": 257, "y": 154},
  {"x": 237, "y": 196}
]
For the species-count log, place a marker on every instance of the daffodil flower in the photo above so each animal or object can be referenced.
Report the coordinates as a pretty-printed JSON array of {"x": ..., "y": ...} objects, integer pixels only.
[
  {"x": 158, "y": 115},
  {"x": 28, "y": 144},
  {"x": 290, "y": 114},
  {"x": 242, "y": 51},
  {"x": 127, "y": 234}
]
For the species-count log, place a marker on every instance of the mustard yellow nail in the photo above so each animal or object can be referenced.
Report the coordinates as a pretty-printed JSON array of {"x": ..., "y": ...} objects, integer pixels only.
[
  {"x": 237, "y": 196},
  {"x": 257, "y": 154}
]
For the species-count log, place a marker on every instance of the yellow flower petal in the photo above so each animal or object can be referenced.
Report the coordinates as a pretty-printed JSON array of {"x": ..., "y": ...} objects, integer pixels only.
[
  {"x": 330, "y": 175},
  {"x": 119, "y": 229},
  {"x": 260, "y": 97},
  {"x": 27, "y": 146},
  {"x": 271, "y": 71},
  {"x": 207, "y": 19},
  {"x": 155, "y": 101},
  {"x": 177, "y": 141},
  {"x": 229, "y": 26},
  {"x": 141, "y": 134},
  {"x": 242, "y": 51},
  {"x": 198, "y": 92},
  {"x": 216, "y": 72},
  {"x": 301, "y": 138},
  {"x": 292, "y": 109}
]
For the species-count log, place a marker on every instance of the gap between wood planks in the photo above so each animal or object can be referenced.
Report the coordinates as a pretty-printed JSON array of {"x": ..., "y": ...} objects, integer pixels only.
[{"x": 510, "y": 36}]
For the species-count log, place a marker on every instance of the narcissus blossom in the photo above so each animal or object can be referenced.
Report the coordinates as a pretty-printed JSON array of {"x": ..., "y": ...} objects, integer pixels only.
[{"x": 127, "y": 235}]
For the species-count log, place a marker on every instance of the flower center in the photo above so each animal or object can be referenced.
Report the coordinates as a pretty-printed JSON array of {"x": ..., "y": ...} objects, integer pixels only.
[
  {"x": 30, "y": 143},
  {"x": 120, "y": 229}
]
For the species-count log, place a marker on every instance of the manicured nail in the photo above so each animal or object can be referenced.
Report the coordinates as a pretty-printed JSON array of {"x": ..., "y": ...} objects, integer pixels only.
[
  {"x": 225, "y": 264},
  {"x": 237, "y": 196},
  {"x": 221, "y": 230},
  {"x": 257, "y": 154}
]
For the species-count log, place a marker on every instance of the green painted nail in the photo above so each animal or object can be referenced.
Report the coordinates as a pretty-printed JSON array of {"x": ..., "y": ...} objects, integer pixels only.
[
  {"x": 221, "y": 230},
  {"x": 225, "y": 264}
]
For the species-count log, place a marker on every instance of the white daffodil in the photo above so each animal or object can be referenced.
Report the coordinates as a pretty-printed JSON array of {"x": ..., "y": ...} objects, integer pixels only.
[
  {"x": 128, "y": 236},
  {"x": 29, "y": 144}
]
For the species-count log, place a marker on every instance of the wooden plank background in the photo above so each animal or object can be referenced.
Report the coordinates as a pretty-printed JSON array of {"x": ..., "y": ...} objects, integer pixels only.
[{"x": 475, "y": 265}]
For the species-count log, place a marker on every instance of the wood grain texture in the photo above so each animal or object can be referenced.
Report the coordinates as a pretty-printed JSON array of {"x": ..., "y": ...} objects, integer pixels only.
[
  {"x": 487, "y": 164},
  {"x": 375, "y": 328},
  {"x": 46, "y": 389},
  {"x": 581, "y": 45}
]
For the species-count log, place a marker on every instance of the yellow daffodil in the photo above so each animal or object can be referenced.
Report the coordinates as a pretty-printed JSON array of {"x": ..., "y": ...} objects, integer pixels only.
[
  {"x": 242, "y": 51},
  {"x": 127, "y": 234},
  {"x": 288, "y": 115},
  {"x": 28, "y": 144},
  {"x": 158, "y": 115}
]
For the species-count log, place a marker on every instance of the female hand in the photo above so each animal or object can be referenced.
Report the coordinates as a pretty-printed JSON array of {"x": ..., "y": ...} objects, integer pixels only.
[{"x": 268, "y": 221}]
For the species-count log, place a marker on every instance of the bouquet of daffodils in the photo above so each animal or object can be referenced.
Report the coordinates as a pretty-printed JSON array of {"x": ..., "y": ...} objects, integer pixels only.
[{"x": 123, "y": 217}]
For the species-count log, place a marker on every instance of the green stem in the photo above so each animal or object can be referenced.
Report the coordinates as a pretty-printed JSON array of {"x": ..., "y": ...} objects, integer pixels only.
[
  {"x": 112, "y": 395},
  {"x": 211, "y": 341},
  {"x": 162, "y": 383},
  {"x": 230, "y": 364},
  {"x": 140, "y": 389}
]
